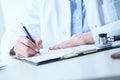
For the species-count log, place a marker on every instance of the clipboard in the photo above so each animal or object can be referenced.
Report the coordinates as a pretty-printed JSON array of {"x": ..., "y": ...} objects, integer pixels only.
[{"x": 48, "y": 56}]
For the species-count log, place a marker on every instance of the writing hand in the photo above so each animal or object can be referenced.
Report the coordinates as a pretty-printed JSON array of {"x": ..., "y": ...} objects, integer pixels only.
[{"x": 24, "y": 47}]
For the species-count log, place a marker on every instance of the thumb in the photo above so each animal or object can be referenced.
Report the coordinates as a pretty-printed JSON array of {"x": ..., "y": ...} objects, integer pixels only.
[{"x": 38, "y": 42}]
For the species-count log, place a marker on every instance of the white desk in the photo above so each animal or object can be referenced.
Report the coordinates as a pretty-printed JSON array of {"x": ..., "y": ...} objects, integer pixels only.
[{"x": 97, "y": 66}]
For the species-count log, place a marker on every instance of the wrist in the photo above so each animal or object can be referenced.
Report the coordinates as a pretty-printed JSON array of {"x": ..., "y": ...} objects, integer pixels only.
[{"x": 88, "y": 38}]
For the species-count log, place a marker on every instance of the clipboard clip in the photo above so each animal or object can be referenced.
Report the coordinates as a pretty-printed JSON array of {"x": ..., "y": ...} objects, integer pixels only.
[{"x": 78, "y": 53}]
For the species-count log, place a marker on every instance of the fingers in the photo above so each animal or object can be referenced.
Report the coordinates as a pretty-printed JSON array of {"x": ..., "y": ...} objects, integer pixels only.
[
  {"x": 75, "y": 40},
  {"x": 38, "y": 42},
  {"x": 55, "y": 47},
  {"x": 23, "y": 47},
  {"x": 28, "y": 43},
  {"x": 66, "y": 44},
  {"x": 62, "y": 45},
  {"x": 59, "y": 46},
  {"x": 22, "y": 50},
  {"x": 116, "y": 55}
]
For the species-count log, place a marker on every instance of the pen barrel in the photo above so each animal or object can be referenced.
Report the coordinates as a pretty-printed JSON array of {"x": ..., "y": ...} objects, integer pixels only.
[{"x": 28, "y": 35}]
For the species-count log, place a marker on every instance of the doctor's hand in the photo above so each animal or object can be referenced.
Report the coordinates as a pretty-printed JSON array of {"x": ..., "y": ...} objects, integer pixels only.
[
  {"x": 75, "y": 40},
  {"x": 23, "y": 47},
  {"x": 116, "y": 55}
]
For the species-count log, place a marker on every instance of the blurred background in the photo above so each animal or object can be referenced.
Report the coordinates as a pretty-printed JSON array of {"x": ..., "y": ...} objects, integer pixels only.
[
  {"x": 9, "y": 11},
  {"x": 2, "y": 26}
]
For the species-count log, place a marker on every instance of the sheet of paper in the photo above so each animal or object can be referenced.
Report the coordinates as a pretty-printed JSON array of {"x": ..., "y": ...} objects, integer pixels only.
[{"x": 47, "y": 54}]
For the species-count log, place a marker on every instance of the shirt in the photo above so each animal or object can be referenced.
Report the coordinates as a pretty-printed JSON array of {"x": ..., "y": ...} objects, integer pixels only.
[{"x": 78, "y": 17}]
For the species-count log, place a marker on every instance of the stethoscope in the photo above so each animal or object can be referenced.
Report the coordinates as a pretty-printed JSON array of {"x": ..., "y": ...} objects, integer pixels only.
[{"x": 106, "y": 41}]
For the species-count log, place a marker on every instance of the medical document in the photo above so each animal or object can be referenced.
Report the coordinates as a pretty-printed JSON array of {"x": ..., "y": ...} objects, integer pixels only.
[{"x": 55, "y": 55}]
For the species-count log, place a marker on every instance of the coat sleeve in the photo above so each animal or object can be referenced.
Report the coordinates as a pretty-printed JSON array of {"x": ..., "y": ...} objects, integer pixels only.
[
  {"x": 112, "y": 29},
  {"x": 103, "y": 20}
]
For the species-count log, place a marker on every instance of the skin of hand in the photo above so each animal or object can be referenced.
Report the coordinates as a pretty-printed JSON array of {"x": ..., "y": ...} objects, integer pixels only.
[
  {"x": 116, "y": 55},
  {"x": 23, "y": 47},
  {"x": 75, "y": 40}
]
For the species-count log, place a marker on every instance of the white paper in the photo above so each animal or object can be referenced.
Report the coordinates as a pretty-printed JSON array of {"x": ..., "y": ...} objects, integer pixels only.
[{"x": 47, "y": 54}]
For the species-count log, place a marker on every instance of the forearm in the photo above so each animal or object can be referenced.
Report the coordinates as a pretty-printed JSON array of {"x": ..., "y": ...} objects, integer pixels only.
[{"x": 111, "y": 29}]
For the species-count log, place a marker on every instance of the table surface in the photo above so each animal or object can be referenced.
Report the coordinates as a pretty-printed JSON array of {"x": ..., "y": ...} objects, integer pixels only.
[{"x": 97, "y": 66}]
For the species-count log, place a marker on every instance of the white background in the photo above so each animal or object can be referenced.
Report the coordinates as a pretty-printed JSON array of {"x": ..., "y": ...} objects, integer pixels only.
[
  {"x": 1, "y": 21},
  {"x": 9, "y": 10}
]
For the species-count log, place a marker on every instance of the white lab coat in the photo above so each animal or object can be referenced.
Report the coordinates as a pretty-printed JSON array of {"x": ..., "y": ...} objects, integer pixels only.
[{"x": 53, "y": 17}]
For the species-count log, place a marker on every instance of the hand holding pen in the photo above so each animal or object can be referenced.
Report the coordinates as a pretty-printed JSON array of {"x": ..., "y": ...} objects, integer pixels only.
[
  {"x": 26, "y": 46},
  {"x": 29, "y": 36}
]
